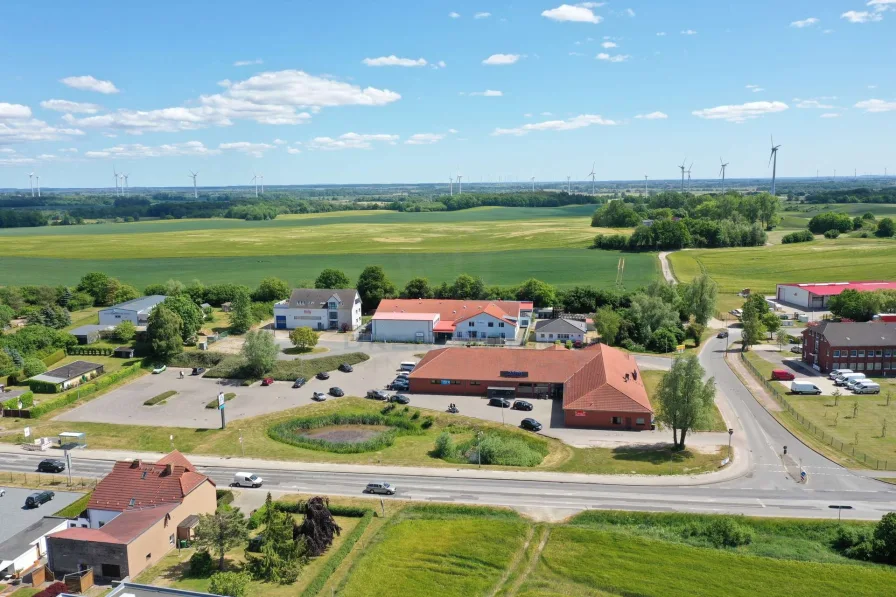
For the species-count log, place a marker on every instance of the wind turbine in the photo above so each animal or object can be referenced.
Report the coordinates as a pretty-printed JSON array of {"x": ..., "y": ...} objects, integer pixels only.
[
  {"x": 37, "y": 179},
  {"x": 682, "y": 173},
  {"x": 645, "y": 186},
  {"x": 533, "y": 183},
  {"x": 451, "y": 186},
  {"x": 125, "y": 177},
  {"x": 689, "y": 176},
  {"x": 592, "y": 177},
  {"x": 31, "y": 180},
  {"x": 722, "y": 171},
  {"x": 567, "y": 185},
  {"x": 193, "y": 175},
  {"x": 115, "y": 175},
  {"x": 255, "y": 180},
  {"x": 773, "y": 159},
  {"x": 261, "y": 178},
  {"x": 460, "y": 185}
]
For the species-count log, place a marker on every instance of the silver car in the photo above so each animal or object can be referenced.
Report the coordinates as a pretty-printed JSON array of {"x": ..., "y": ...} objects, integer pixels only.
[{"x": 384, "y": 488}]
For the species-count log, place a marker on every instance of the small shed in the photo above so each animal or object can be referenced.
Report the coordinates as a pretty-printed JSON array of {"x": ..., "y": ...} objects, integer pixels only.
[
  {"x": 88, "y": 334},
  {"x": 187, "y": 529},
  {"x": 123, "y": 352},
  {"x": 205, "y": 306},
  {"x": 66, "y": 376},
  {"x": 69, "y": 440},
  {"x": 226, "y": 307}
]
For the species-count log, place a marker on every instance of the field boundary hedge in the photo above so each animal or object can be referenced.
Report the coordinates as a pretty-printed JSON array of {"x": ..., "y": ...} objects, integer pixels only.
[
  {"x": 85, "y": 390},
  {"x": 53, "y": 358},
  {"x": 335, "y": 559}
]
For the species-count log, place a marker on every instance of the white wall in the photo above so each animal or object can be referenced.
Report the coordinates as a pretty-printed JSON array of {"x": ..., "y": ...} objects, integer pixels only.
[
  {"x": 115, "y": 316},
  {"x": 463, "y": 329},
  {"x": 394, "y": 330},
  {"x": 549, "y": 337},
  {"x": 794, "y": 295},
  {"x": 100, "y": 516},
  {"x": 319, "y": 319}
]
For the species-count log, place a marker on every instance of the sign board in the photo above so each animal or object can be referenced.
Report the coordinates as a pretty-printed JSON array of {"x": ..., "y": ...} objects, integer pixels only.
[
  {"x": 726, "y": 461},
  {"x": 27, "y": 431},
  {"x": 680, "y": 348},
  {"x": 514, "y": 374},
  {"x": 307, "y": 311},
  {"x": 221, "y": 400},
  {"x": 581, "y": 413}
]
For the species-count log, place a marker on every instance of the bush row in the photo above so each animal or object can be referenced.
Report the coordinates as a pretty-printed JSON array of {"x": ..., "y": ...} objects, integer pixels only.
[
  {"x": 496, "y": 448},
  {"x": 289, "y": 432},
  {"x": 42, "y": 387},
  {"x": 336, "y": 558},
  {"x": 299, "y": 508},
  {"x": 27, "y": 400},
  {"x": 197, "y": 359},
  {"x": 53, "y": 357},
  {"x": 224, "y": 496},
  {"x": 803, "y": 236},
  {"x": 84, "y": 390}
]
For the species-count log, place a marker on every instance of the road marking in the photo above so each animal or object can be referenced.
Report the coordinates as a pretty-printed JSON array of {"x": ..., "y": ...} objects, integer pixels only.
[{"x": 760, "y": 503}]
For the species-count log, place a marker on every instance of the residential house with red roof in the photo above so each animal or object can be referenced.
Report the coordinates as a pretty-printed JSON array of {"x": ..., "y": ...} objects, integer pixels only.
[
  {"x": 133, "y": 518},
  {"x": 599, "y": 386},
  {"x": 429, "y": 320}
]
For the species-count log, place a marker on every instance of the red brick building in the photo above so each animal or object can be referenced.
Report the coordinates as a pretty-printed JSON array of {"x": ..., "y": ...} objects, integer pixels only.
[
  {"x": 600, "y": 386},
  {"x": 868, "y": 348}
]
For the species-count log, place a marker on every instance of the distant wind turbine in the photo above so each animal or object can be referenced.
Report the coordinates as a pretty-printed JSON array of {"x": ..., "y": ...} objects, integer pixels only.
[
  {"x": 450, "y": 186},
  {"x": 646, "y": 194},
  {"x": 689, "y": 176},
  {"x": 255, "y": 180},
  {"x": 533, "y": 183},
  {"x": 37, "y": 179},
  {"x": 592, "y": 177},
  {"x": 682, "y": 173},
  {"x": 126, "y": 187},
  {"x": 773, "y": 159},
  {"x": 567, "y": 185},
  {"x": 31, "y": 180},
  {"x": 261, "y": 179},
  {"x": 722, "y": 172},
  {"x": 460, "y": 185},
  {"x": 115, "y": 174},
  {"x": 193, "y": 175}
]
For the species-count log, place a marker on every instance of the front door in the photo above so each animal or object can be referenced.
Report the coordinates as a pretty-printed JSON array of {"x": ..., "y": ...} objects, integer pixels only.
[
  {"x": 628, "y": 422},
  {"x": 473, "y": 334},
  {"x": 281, "y": 322}
]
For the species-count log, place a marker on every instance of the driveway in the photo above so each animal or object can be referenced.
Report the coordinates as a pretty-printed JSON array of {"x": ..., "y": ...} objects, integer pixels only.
[{"x": 14, "y": 516}]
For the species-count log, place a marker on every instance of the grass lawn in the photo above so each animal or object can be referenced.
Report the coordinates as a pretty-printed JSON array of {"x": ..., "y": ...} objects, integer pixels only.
[
  {"x": 651, "y": 379},
  {"x": 86, "y": 316},
  {"x": 26, "y": 592},
  {"x": 75, "y": 508}
]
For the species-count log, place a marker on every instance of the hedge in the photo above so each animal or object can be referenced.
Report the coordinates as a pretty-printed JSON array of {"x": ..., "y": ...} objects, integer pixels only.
[
  {"x": 27, "y": 401},
  {"x": 17, "y": 378},
  {"x": 42, "y": 387},
  {"x": 224, "y": 496},
  {"x": 213, "y": 403},
  {"x": 88, "y": 351},
  {"x": 160, "y": 398},
  {"x": 53, "y": 358},
  {"x": 335, "y": 559},
  {"x": 84, "y": 390}
]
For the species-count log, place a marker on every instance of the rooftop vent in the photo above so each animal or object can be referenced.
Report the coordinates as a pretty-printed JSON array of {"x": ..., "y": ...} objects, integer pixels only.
[{"x": 135, "y": 463}]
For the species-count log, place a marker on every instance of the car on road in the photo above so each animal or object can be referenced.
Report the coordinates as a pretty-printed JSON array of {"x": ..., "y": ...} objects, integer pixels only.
[
  {"x": 337, "y": 392},
  {"x": 503, "y": 403},
  {"x": 521, "y": 405},
  {"x": 318, "y": 396},
  {"x": 530, "y": 425},
  {"x": 267, "y": 381},
  {"x": 197, "y": 371},
  {"x": 160, "y": 369},
  {"x": 383, "y": 488},
  {"x": 50, "y": 466},
  {"x": 246, "y": 480},
  {"x": 345, "y": 368},
  {"x": 722, "y": 334},
  {"x": 37, "y": 498},
  {"x": 400, "y": 399},
  {"x": 323, "y": 375},
  {"x": 299, "y": 382},
  {"x": 2, "y": 492},
  {"x": 782, "y": 375},
  {"x": 377, "y": 395},
  {"x": 797, "y": 349}
]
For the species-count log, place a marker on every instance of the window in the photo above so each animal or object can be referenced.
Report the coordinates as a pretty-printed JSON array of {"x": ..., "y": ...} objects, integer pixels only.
[
  {"x": 877, "y": 366},
  {"x": 471, "y": 324},
  {"x": 878, "y": 353},
  {"x": 861, "y": 353},
  {"x": 456, "y": 382},
  {"x": 503, "y": 335},
  {"x": 102, "y": 523},
  {"x": 887, "y": 366},
  {"x": 500, "y": 324},
  {"x": 852, "y": 353},
  {"x": 639, "y": 421},
  {"x": 149, "y": 556},
  {"x": 491, "y": 324},
  {"x": 616, "y": 420},
  {"x": 836, "y": 353},
  {"x": 861, "y": 367},
  {"x": 434, "y": 381},
  {"x": 474, "y": 383},
  {"x": 886, "y": 353},
  {"x": 550, "y": 336},
  {"x": 171, "y": 540}
]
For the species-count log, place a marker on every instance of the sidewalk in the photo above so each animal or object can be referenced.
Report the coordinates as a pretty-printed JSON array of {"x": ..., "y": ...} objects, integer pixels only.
[{"x": 736, "y": 469}]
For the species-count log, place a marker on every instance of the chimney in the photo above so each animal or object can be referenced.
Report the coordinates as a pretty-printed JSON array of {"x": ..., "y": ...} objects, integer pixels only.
[
  {"x": 167, "y": 471},
  {"x": 135, "y": 463}
]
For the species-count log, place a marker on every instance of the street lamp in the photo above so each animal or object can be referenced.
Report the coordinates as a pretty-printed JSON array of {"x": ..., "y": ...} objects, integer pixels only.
[{"x": 730, "y": 433}]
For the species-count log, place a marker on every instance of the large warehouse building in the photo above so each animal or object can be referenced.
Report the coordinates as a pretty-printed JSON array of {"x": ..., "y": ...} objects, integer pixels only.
[
  {"x": 816, "y": 296},
  {"x": 599, "y": 386},
  {"x": 428, "y": 320}
]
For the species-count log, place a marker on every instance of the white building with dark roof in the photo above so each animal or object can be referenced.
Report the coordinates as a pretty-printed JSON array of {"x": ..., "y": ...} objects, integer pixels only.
[
  {"x": 319, "y": 309},
  {"x": 136, "y": 311},
  {"x": 552, "y": 330}
]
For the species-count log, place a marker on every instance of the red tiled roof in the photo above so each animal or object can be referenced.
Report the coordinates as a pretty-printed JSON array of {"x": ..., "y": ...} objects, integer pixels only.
[
  {"x": 835, "y": 288},
  {"x": 136, "y": 485},
  {"x": 490, "y": 309},
  {"x": 594, "y": 378},
  {"x": 122, "y": 529},
  {"x": 448, "y": 309}
]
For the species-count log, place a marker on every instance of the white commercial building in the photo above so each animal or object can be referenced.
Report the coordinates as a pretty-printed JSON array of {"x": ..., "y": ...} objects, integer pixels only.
[
  {"x": 490, "y": 322},
  {"x": 136, "y": 311},
  {"x": 404, "y": 327},
  {"x": 319, "y": 309},
  {"x": 552, "y": 330}
]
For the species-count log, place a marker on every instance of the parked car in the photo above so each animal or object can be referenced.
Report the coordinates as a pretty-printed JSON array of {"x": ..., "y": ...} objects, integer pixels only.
[
  {"x": 160, "y": 369},
  {"x": 400, "y": 385},
  {"x": 400, "y": 399},
  {"x": 804, "y": 386},
  {"x": 384, "y": 488},
  {"x": 40, "y": 497},
  {"x": 866, "y": 387},
  {"x": 197, "y": 371},
  {"x": 782, "y": 375},
  {"x": 838, "y": 372},
  {"x": 2, "y": 491},
  {"x": 246, "y": 480},
  {"x": 318, "y": 396},
  {"x": 323, "y": 375},
  {"x": 722, "y": 334},
  {"x": 267, "y": 381},
  {"x": 50, "y": 466},
  {"x": 407, "y": 365},
  {"x": 337, "y": 392},
  {"x": 848, "y": 377},
  {"x": 404, "y": 375},
  {"x": 377, "y": 395},
  {"x": 503, "y": 403},
  {"x": 299, "y": 382},
  {"x": 521, "y": 405},
  {"x": 530, "y": 425},
  {"x": 345, "y": 368},
  {"x": 852, "y": 383},
  {"x": 796, "y": 349}
]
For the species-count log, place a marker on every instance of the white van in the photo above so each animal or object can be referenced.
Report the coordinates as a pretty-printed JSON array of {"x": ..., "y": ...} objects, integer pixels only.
[
  {"x": 852, "y": 383},
  {"x": 866, "y": 387},
  {"x": 838, "y": 372},
  {"x": 408, "y": 366},
  {"x": 246, "y": 480},
  {"x": 848, "y": 377},
  {"x": 804, "y": 386}
]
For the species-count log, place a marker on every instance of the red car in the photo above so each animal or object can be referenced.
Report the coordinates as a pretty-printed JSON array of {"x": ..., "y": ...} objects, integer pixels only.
[
  {"x": 782, "y": 375},
  {"x": 267, "y": 381}
]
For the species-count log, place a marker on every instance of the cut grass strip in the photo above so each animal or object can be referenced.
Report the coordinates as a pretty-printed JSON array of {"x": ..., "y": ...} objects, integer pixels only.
[
  {"x": 160, "y": 399},
  {"x": 214, "y": 402},
  {"x": 75, "y": 508}
]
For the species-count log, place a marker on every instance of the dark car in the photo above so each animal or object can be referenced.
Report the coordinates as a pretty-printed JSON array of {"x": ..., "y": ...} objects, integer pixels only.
[
  {"x": 36, "y": 499},
  {"x": 299, "y": 382},
  {"x": 323, "y": 375},
  {"x": 400, "y": 386},
  {"x": 197, "y": 371},
  {"x": 521, "y": 405},
  {"x": 50, "y": 466},
  {"x": 400, "y": 399},
  {"x": 336, "y": 392},
  {"x": 377, "y": 395},
  {"x": 267, "y": 381},
  {"x": 530, "y": 425},
  {"x": 499, "y": 402},
  {"x": 345, "y": 368},
  {"x": 722, "y": 334}
]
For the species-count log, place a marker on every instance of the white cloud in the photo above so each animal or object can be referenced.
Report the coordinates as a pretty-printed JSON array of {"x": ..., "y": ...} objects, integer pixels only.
[
  {"x": 830, "y": 115},
  {"x": 14, "y": 111},
  {"x": 592, "y": 4},
  {"x": 487, "y": 93},
  {"x": 581, "y": 121},
  {"x": 547, "y": 114},
  {"x": 804, "y": 23},
  {"x": 630, "y": 12},
  {"x": 394, "y": 60},
  {"x": 248, "y": 62},
  {"x": 661, "y": 34},
  {"x": 809, "y": 104},
  {"x": 69, "y": 150},
  {"x": 501, "y": 59},
  {"x": 90, "y": 83},
  {"x": 46, "y": 156},
  {"x": 614, "y": 58},
  {"x": 876, "y": 105},
  {"x": 351, "y": 141},
  {"x": 279, "y": 142},
  {"x": 18, "y": 126},
  {"x": 863, "y": 16},
  {"x": 293, "y": 150},
  {"x": 454, "y": 15},
  {"x": 254, "y": 149},
  {"x": 59, "y": 105},
  {"x": 453, "y": 131},
  {"x": 742, "y": 112},
  {"x": 482, "y": 15},
  {"x": 575, "y": 14},
  {"x": 688, "y": 32},
  {"x": 653, "y": 116},
  {"x": 755, "y": 88},
  {"x": 527, "y": 115},
  {"x": 137, "y": 150},
  {"x": 441, "y": 64},
  {"x": 576, "y": 54},
  {"x": 424, "y": 139},
  {"x": 608, "y": 45},
  {"x": 828, "y": 31},
  {"x": 16, "y": 161},
  {"x": 872, "y": 87}
]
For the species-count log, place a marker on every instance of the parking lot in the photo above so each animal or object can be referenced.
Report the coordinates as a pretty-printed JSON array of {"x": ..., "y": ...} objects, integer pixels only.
[{"x": 14, "y": 516}]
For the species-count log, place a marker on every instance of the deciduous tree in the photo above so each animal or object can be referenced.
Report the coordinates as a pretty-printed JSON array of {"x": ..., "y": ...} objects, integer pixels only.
[
  {"x": 685, "y": 401},
  {"x": 190, "y": 314},
  {"x": 271, "y": 289},
  {"x": 164, "y": 332},
  {"x": 229, "y": 584},
  {"x": 303, "y": 338},
  {"x": 417, "y": 288},
  {"x": 540, "y": 293},
  {"x": 260, "y": 351},
  {"x": 125, "y": 331},
  {"x": 220, "y": 532},
  {"x": 699, "y": 298},
  {"x": 240, "y": 311},
  {"x": 332, "y": 278},
  {"x": 374, "y": 286}
]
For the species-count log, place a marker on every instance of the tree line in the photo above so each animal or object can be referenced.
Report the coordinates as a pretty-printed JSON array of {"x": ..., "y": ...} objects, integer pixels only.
[
  {"x": 515, "y": 199},
  {"x": 856, "y": 195}
]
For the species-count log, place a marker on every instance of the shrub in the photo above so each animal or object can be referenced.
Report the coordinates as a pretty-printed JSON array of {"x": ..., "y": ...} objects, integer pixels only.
[
  {"x": 27, "y": 400},
  {"x": 507, "y": 451},
  {"x": 224, "y": 496},
  {"x": 725, "y": 531},
  {"x": 57, "y": 588},
  {"x": 336, "y": 558},
  {"x": 42, "y": 387},
  {"x": 865, "y": 550},
  {"x": 201, "y": 564},
  {"x": 53, "y": 357},
  {"x": 427, "y": 422},
  {"x": 848, "y": 536},
  {"x": 34, "y": 366},
  {"x": 197, "y": 359},
  {"x": 797, "y": 237},
  {"x": 833, "y": 233},
  {"x": 445, "y": 447},
  {"x": 663, "y": 340},
  {"x": 230, "y": 584}
]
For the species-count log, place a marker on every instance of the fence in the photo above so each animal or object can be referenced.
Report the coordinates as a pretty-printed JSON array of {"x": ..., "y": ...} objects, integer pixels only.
[
  {"x": 13, "y": 479},
  {"x": 843, "y": 447},
  {"x": 87, "y": 351}
]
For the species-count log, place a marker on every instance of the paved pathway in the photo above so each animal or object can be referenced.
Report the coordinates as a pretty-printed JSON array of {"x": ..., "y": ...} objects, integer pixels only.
[{"x": 667, "y": 267}]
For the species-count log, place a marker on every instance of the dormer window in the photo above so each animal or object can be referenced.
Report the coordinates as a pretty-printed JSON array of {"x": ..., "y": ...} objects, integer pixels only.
[{"x": 132, "y": 502}]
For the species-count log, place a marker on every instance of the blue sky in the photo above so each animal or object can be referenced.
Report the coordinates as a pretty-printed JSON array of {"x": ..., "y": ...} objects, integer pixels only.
[{"x": 410, "y": 91}]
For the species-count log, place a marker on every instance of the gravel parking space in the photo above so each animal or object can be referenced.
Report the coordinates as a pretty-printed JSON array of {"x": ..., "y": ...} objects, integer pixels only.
[{"x": 14, "y": 516}]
